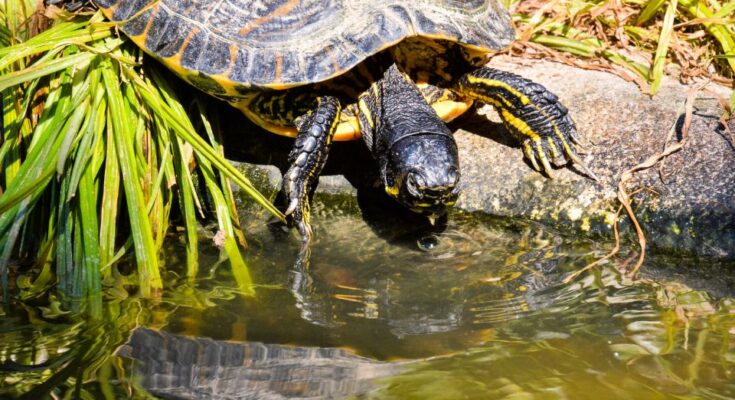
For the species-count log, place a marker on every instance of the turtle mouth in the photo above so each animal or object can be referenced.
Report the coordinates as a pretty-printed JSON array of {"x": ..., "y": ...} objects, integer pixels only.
[{"x": 430, "y": 198}]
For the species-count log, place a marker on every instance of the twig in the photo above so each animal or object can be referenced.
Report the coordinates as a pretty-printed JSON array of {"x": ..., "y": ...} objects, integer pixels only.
[
  {"x": 624, "y": 197},
  {"x": 622, "y": 194}
]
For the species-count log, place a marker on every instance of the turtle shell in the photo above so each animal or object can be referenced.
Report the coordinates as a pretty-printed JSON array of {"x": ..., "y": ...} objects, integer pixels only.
[{"x": 231, "y": 47}]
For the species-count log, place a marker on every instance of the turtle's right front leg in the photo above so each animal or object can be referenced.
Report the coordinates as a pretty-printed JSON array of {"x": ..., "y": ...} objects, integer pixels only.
[{"x": 307, "y": 158}]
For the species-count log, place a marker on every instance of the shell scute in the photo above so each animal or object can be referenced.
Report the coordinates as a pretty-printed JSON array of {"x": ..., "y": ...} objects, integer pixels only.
[
  {"x": 175, "y": 34},
  {"x": 192, "y": 48},
  {"x": 161, "y": 21},
  {"x": 214, "y": 56},
  {"x": 288, "y": 67},
  {"x": 138, "y": 24},
  {"x": 240, "y": 71},
  {"x": 127, "y": 9},
  {"x": 263, "y": 67},
  {"x": 286, "y": 43}
]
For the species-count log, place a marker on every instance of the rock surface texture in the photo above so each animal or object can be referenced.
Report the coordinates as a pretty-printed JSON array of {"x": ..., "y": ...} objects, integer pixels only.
[{"x": 687, "y": 206}]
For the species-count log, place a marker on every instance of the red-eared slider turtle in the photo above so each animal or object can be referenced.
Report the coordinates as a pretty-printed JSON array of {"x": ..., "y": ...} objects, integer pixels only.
[{"x": 391, "y": 72}]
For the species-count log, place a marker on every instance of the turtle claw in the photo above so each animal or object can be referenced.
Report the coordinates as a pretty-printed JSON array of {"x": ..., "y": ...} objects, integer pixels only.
[
  {"x": 539, "y": 152},
  {"x": 536, "y": 153},
  {"x": 297, "y": 213},
  {"x": 578, "y": 163}
]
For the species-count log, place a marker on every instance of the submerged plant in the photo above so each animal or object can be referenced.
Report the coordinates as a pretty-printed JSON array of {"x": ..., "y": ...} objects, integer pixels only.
[{"x": 97, "y": 153}]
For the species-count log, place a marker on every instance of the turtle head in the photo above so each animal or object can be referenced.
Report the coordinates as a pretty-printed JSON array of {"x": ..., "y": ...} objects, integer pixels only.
[
  {"x": 415, "y": 150},
  {"x": 422, "y": 172}
]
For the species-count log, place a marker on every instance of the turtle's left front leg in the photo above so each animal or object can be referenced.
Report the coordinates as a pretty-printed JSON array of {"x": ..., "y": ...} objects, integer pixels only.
[
  {"x": 530, "y": 111},
  {"x": 307, "y": 159}
]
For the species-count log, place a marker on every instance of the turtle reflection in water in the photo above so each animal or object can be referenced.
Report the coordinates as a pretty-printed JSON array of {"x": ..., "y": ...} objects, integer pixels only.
[
  {"x": 391, "y": 72},
  {"x": 179, "y": 367}
]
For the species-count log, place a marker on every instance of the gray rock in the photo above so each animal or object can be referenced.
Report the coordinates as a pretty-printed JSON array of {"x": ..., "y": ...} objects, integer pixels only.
[{"x": 691, "y": 211}]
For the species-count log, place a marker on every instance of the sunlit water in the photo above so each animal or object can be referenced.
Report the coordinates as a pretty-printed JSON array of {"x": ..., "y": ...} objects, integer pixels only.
[{"x": 388, "y": 310}]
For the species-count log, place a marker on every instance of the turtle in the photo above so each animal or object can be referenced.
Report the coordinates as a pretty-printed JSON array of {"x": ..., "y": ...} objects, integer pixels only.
[{"x": 390, "y": 72}]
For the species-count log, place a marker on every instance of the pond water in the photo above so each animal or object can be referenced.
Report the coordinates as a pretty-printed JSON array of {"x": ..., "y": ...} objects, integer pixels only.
[{"x": 390, "y": 309}]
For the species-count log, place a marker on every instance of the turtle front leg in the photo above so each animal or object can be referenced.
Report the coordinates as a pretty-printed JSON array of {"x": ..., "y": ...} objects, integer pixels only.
[
  {"x": 307, "y": 159},
  {"x": 530, "y": 112}
]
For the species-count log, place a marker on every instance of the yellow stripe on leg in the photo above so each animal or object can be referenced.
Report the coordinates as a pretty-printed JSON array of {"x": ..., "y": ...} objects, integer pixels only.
[
  {"x": 365, "y": 111},
  {"x": 475, "y": 80},
  {"x": 520, "y": 125}
]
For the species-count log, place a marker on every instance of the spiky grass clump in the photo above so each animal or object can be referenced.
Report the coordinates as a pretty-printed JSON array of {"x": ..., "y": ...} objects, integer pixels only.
[
  {"x": 638, "y": 39},
  {"x": 95, "y": 155}
]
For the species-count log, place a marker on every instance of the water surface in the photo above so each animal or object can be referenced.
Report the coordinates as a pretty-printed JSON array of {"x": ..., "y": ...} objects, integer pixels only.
[{"x": 392, "y": 308}]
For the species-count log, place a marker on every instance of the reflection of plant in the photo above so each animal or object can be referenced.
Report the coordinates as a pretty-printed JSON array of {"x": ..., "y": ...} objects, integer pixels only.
[
  {"x": 87, "y": 129},
  {"x": 66, "y": 353},
  {"x": 72, "y": 355}
]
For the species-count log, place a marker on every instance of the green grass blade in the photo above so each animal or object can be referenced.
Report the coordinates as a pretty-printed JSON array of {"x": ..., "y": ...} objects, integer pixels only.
[
  {"x": 640, "y": 69},
  {"x": 652, "y": 8},
  {"x": 224, "y": 182},
  {"x": 147, "y": 259},
  {"x": 110, "y": 191},
  {"x": 170, "y": 118},
  {"x": 11, "y": 199},
  {"x": 89, "y": 145},
  {"x": 659, "y": 60},
  {"x": 42, "y": 69},
  {"x": 90, "y": 231},
  {"x": 72, "y": 132},
  {"x": 186, "y": 195},
  {"x": 240, "y": 270},
  {"x": 51, "y": 40},
  {"x": 16, "y": 126},
  {"x": 724, "y": 36},
  {"x": 560, "y": 43},
  {"x": 42, "y": 156},
  {"x": 65, "y": 245},
  {"x": 9, "y": 237},
  {"x": 227, "y": 228},
  {"x": 728, "y": 10}
]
